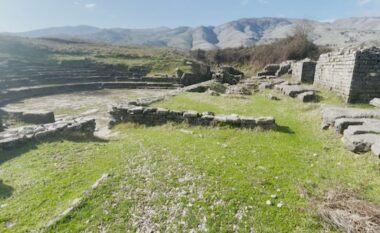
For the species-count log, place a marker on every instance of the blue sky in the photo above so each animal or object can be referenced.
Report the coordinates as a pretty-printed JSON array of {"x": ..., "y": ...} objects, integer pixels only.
[{"x": 23, "y": 15}]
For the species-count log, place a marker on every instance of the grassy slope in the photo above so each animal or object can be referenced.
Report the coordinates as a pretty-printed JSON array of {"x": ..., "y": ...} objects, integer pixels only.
[
  {"x": 49, "y": 50},
  {"x": 176, "y": 178}
]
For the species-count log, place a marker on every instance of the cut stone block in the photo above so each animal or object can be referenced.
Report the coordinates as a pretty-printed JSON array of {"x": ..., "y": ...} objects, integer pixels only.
[
  {"x": 375, "y": 102},
  {"x": 39, "y": 117}
]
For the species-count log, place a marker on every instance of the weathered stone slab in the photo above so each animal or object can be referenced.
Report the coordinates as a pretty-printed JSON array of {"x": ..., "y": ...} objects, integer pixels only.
[
  {"x": 343, "y": 123},
  {"x": 375, "y": 102},
  {"x": 307, "y": 97},
  {"x": 376, "y": 149},
  {"x": 360, "y": 143},
  {"x": 38, "y": 117},
  {"x": 331, "y": 113}
]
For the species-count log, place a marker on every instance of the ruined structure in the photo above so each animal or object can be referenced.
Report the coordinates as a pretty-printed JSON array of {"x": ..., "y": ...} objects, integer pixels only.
[
  {"x": 66, "y": 126},
  {"x": 24, "y": 80},
  {"x": 354, "y": 75},
  {"x": 199, "y": 73},
  {"x": 158, "y": 116},
  {"x": 304, "y": 71},
  {"x": 1, "y": 122},
  {"x": 360, "y": 127}
]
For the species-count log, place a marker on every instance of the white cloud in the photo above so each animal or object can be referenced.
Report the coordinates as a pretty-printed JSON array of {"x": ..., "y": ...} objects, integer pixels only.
[{"x": 90, "y": 5}]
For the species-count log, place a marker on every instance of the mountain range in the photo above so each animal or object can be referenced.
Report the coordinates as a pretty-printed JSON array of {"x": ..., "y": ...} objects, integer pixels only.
[{"x": 243, "y": 32}]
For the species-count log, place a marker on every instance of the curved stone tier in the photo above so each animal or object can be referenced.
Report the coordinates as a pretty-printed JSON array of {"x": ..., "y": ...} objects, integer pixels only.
[{"x": 15, "y": 94}]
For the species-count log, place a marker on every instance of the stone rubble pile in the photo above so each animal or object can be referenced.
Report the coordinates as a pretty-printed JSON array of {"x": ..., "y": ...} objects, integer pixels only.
[
  {"x": 16, "y": 136},
  {"x": 157, "y": 116},
  {"x": 360, "y": 127}
]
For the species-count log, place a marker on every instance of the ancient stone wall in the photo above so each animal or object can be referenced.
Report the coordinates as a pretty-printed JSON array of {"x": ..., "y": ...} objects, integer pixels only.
[
  {"x": 1, "y": 122},
  {"x": 304, "y": 71},
  {"x": 158, "y": 116},
  {"x": 366, "y": 78},
  {"x": 16, "y": 136},
  {"x": 354, "y": 75}
]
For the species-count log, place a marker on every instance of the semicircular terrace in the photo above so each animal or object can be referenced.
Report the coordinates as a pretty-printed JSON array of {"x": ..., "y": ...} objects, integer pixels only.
[{"x": 20, "y": 81}]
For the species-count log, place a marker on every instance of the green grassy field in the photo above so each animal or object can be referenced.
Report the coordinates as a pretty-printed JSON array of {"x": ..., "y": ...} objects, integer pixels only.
[{"x": 177, "y": 178}]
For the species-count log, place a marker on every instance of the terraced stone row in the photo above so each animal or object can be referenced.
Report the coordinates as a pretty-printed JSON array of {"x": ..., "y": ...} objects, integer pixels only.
[
  {"x": 14, "y": 94},
  {"x": 17, "y": 136},
  {"x": 158, "y": 116},
  {"x": 360, "y": 127}
]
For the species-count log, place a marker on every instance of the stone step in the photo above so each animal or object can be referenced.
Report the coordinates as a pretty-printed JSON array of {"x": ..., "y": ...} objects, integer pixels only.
[{"x": 14, "y": 94}]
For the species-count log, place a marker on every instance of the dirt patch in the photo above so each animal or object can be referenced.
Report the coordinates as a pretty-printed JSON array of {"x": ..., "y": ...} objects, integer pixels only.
[{"x": 345, "y": 210}]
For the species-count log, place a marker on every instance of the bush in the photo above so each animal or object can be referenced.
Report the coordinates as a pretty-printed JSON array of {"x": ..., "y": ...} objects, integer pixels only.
[{"x": 294, "y": 47}]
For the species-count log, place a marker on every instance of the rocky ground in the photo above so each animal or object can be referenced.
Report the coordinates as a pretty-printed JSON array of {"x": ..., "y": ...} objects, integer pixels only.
[{"x": 93, "y": 103}]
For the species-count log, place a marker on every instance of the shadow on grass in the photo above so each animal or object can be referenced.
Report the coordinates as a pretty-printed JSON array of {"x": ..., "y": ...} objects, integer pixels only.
[
  {"x": 285, "y": 129},
  {"x": 5, "y": 190},
  {"x": 22, "y": 148}
]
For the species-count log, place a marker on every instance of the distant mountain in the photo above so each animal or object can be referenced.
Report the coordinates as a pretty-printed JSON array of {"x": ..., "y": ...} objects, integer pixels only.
[{"x": 243, "y": 32}]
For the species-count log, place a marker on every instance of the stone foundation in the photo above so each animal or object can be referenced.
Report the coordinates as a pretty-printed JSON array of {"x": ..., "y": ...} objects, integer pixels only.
[
  {"x": 354, "y": 75},
  {"x": 17, "y": 136},
  {"x": 157, "y": 116},
  {"x": 304, "y": 71},
  {"x": 360, "y": 127}
]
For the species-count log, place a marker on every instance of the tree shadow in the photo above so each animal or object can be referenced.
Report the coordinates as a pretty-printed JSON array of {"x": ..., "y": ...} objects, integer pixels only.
[{"x": 6, "y": 191}]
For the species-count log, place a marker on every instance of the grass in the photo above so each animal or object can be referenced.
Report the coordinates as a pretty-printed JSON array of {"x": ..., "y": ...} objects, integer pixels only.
[
  {"x": 177, "y": 178},
  {"x": 157, "y": 60}
]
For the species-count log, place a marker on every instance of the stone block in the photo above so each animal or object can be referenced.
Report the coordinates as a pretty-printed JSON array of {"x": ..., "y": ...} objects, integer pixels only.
[
  {"x": 38, "y": 117},
  {"x": 375, "y": 102}
]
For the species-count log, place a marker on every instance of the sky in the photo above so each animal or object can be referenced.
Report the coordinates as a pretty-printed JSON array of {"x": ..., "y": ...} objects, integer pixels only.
[{"x": 25, "y": 15}]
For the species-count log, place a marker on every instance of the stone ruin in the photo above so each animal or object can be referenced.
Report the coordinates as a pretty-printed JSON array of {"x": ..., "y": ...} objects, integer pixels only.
[
  {"x": 304, "y": 71},
  {"x": 63, "y": 127},
  {"x": 20, "y": 80},
  {"x": 360, "y": 127},
  {"x": 157, "y": 116},
  {"x": 200, "y": 72},
  {"x": 1, "y": 122},
  {"x": 276, "y": 70},
  {"x": 354, "y": 75},
  {"x": 228, "y": 74}
]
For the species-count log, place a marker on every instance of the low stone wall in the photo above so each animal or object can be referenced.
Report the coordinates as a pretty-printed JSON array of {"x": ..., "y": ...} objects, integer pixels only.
[
  {"x": 157, "y": 116},
  {"x": 16, "y": 136},
  {"x": 304, "y": 71}
]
